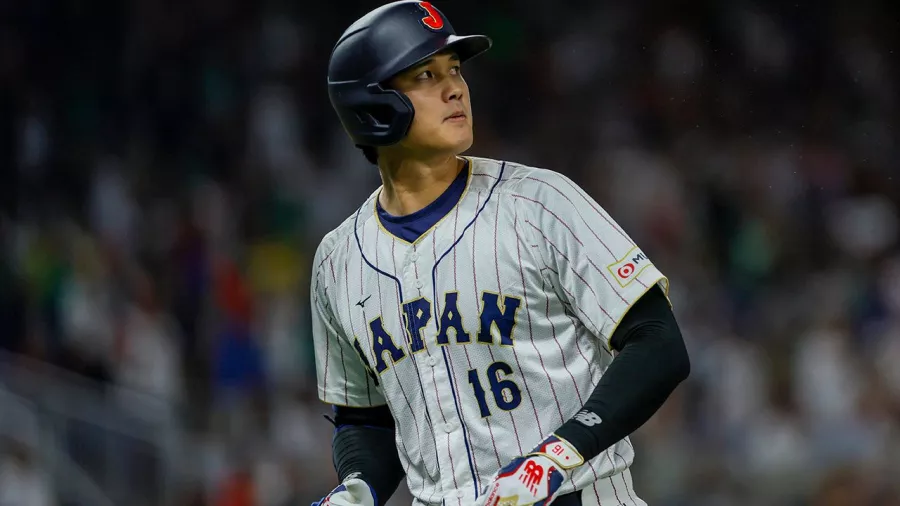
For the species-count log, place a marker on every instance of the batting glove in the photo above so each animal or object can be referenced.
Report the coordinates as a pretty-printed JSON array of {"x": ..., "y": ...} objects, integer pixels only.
[
  {"x": 352, "y": 492},
  {"x": 533, "y": 479}
]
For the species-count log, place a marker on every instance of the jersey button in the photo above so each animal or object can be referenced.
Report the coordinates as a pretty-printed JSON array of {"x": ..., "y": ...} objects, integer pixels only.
[
  {"x": 419, "y": 283},
  {"x": 432, "y": 361},
  {"x": 448, "y": 427},
  {"x": 414, "y": 257}
]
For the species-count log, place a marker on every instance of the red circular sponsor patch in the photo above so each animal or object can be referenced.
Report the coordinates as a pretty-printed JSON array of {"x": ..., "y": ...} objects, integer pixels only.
[{"x": 626, "y": 270}]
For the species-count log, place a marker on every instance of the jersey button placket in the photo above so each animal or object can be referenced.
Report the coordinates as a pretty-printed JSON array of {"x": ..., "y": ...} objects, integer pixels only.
[
  {"x": 445, "y": 429},
  {"x": 435, "y": 400}
]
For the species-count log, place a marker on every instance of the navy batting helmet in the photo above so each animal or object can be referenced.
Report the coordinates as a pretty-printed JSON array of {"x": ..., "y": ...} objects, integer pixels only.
[{"x": 377, "y": 47}]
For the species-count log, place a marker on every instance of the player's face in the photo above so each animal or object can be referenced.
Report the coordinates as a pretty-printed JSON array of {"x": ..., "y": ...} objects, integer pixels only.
[{"x": 440, "y": 96}]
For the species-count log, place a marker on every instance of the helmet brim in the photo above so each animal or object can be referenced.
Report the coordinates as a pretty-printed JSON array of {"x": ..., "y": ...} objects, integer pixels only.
[{"x": 466, "y": 47}]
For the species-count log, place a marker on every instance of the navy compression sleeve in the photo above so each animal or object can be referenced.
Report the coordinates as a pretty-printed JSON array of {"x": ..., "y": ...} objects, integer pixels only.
[
  {"x": 364, "y": 443},
  {"x": 652, "y": 361}
]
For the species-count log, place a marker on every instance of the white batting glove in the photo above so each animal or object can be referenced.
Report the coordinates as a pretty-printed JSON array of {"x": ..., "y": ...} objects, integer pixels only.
[
  {"x": 533, "y": 479},
  {"x": 352, "y": 492}
]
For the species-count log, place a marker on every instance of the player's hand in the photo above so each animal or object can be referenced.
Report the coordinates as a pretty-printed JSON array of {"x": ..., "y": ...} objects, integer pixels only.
[
  {"x": 533, "y": 479},
  {"x": 352, "y": 492}
]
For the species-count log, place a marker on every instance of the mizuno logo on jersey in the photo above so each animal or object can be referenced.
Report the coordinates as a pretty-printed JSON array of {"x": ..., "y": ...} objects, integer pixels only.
[
  {"x": 495, "y": 325},
  {"x": 588, "y": 418},
  {"x": 630, "y": 267}
]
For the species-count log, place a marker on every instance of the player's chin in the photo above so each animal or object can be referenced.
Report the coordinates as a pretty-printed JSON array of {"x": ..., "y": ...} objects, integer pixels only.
[{"x": 460, "y": 139}]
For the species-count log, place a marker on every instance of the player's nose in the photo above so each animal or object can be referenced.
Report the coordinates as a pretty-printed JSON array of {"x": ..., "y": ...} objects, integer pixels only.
[{"x": 453, "y": 91}]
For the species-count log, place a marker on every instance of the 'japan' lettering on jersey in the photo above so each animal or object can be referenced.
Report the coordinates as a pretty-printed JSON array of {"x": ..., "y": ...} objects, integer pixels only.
[{"x": 485, "y": 334}]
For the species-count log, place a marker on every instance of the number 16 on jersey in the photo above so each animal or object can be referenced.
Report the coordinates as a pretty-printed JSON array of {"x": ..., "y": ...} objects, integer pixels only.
[{"x": 506, "y": 393}]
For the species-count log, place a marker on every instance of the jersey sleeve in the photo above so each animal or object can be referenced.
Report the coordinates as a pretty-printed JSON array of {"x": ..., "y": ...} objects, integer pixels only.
[
  {"x": 342, "y": 375},
  {"x": 595, "y": 267}
]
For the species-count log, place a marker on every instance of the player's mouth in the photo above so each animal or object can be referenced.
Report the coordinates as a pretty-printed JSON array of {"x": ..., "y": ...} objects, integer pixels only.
[{"x": 457, "y": 116}]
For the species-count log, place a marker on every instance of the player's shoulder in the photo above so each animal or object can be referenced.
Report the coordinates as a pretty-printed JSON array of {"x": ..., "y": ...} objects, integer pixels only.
[
  {"x": 333, "y": 244},
  {"x": 513, "y": 178}
]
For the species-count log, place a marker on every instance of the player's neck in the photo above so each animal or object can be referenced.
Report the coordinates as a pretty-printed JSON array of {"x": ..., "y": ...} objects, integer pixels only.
[{"x": 409, "y": 184}]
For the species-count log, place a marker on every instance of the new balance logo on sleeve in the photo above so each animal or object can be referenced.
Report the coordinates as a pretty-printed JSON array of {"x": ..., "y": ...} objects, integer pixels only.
[{"x": 588, "y": 418}]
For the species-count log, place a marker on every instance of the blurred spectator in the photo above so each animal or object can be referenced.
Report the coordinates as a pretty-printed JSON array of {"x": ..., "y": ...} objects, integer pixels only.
[
  {"x": 149, "y": 358},
  {"x": 238, "y": 375},
  {"x": 87, "y": 305}
]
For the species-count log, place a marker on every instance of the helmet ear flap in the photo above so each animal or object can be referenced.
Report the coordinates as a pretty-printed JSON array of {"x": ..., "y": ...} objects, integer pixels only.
[
  {"x": 370, "y": 118},
  {"x": 387, "y": 116},
  {"x": 405, "y": 114},
  {"x": 376, "y": 116},
  {"x": 372, "y": 115}
]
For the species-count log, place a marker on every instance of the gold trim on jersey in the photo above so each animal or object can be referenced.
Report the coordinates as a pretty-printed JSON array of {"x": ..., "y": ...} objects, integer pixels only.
[
  {"x": 616, "y": 326},
  {"x": 469, "y": 167}
]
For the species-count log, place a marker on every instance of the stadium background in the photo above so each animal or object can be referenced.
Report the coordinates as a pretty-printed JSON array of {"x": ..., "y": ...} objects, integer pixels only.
[{"x": 168, "y": 167}]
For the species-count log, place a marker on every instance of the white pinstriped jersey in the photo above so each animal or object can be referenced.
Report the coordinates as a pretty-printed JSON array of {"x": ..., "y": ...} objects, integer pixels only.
[{"x": 485, "y": 334}]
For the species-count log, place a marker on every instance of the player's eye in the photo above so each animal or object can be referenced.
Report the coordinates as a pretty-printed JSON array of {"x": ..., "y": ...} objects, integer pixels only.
[
  {"x": 425, "y": 75},
  {"x": 455, "y": 70}
]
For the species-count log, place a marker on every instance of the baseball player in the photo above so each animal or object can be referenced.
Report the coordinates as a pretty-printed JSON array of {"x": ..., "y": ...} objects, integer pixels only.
[{"x": 482, "y": 328}]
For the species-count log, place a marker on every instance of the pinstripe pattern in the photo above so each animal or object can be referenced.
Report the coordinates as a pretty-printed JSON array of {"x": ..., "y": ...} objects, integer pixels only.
[
  {"x": 532, "y": 240},
  {"x": 474, "y": 285}
]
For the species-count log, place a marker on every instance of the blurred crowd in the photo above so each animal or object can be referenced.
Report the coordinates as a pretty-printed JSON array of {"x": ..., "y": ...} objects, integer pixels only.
[{"x": 167, "y": 169}]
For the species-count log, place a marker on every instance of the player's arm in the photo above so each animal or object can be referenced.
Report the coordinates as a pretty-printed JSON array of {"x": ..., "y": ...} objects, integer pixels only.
[
  {"x": 651, "y": 362},
  {"x": 363, "y": 449},
  {"x": 617, "y": 293}
]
